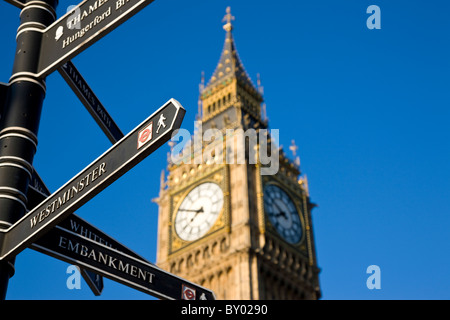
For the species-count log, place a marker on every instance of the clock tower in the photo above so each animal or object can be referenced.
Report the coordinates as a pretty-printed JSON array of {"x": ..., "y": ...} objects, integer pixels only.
[{"x": 239, "y": 225}]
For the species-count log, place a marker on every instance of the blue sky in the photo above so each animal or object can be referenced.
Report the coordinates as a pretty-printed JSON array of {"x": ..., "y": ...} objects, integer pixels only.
[{"x": 369, "y": 110}]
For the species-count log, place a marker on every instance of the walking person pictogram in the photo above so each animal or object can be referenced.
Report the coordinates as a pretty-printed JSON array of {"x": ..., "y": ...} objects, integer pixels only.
[{"x": 161, "y": 123}]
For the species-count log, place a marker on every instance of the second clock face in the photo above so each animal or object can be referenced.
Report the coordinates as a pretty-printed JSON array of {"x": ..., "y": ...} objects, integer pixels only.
[
  {"x": 199, "y": 211},
  {"x": 282, "y": 213}
]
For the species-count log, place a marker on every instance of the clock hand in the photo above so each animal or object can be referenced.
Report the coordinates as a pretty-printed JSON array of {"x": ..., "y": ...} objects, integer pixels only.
[
  {"x": 192, "y": 219},
  {"x": 281, "y": 212},
  {"x": 188, "y": 210},
  {"x": 196, "y": 213}
]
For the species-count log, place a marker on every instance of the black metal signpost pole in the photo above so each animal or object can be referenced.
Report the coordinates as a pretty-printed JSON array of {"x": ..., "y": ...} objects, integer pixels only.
[
  {"x": 43, "y": 46},
  {"x": 20, "y": 121}
]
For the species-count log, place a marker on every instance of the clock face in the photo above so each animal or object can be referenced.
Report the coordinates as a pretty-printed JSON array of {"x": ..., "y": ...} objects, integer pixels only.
[
  {"x": 282, "y": 213},
  {"x": 199, "y": 211}
]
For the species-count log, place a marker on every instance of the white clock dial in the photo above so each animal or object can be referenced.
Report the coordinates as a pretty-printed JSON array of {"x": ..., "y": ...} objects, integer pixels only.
[
  {"x": 199, "y": 211},
  {"x": 282, "y": 213}
]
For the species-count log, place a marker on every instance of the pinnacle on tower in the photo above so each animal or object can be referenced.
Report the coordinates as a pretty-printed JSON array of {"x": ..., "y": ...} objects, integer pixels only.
[{"x": 230, "y": 65}]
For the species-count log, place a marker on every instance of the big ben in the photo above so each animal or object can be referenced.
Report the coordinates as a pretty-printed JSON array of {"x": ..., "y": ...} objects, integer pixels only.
[{"x": 236, "y": 227}]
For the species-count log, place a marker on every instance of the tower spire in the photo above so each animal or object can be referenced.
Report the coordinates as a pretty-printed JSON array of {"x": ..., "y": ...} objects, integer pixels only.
[
  {"x": 229, "y": 66},
  {"x": 230, "y": 85}
]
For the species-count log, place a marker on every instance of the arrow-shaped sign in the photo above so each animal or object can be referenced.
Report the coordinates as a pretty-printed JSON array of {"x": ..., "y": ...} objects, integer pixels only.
[
  {"x": 81, "y": 27},
  {"x": 103, "y": 171},
  {"x": 121, "y": 267}
]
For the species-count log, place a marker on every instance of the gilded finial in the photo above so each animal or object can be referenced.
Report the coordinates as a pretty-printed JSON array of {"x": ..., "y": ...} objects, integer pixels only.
[
  {"x": 258, "y": 82},
  {"x": 228, "y": 18},
  {"x": 264, "y": 111},
  {"x": 201, "y": 86},
  {"x": 293, "y": 147}
]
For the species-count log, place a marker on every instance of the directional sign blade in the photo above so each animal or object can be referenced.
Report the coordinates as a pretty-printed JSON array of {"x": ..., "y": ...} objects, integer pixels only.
[
  {"x": 122, "y": 156},
  {"x": 90, "y": 101},
  {"x": 83, "y": 228},
  {"x": 120, "y": 267},
  {"x": 85, "y": 24}
]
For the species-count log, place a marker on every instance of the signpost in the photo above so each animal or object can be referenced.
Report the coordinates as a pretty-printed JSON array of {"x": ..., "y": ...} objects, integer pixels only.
[
  {"x": 78, "y": 29},
  {"x": 103, "y": 171},
  {"x": 50, "y": 226}
]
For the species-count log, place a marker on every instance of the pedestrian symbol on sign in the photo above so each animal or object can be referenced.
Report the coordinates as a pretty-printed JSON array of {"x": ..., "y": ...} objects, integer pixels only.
[{"x": 161, "y": 123}]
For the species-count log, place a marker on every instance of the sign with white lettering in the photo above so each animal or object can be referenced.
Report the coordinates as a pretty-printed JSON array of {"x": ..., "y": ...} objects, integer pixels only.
[
  {"x": 81, "y": 27},
  {"x": 83, "y": 228},
  {"x": 103, "y": 171},
  {"x": 90, "y": 101},
  {"x": 120, "y": 267}
]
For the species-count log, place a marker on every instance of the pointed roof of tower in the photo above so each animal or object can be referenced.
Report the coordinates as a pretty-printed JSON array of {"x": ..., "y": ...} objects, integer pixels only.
[{"x": 230, "y": 65}]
